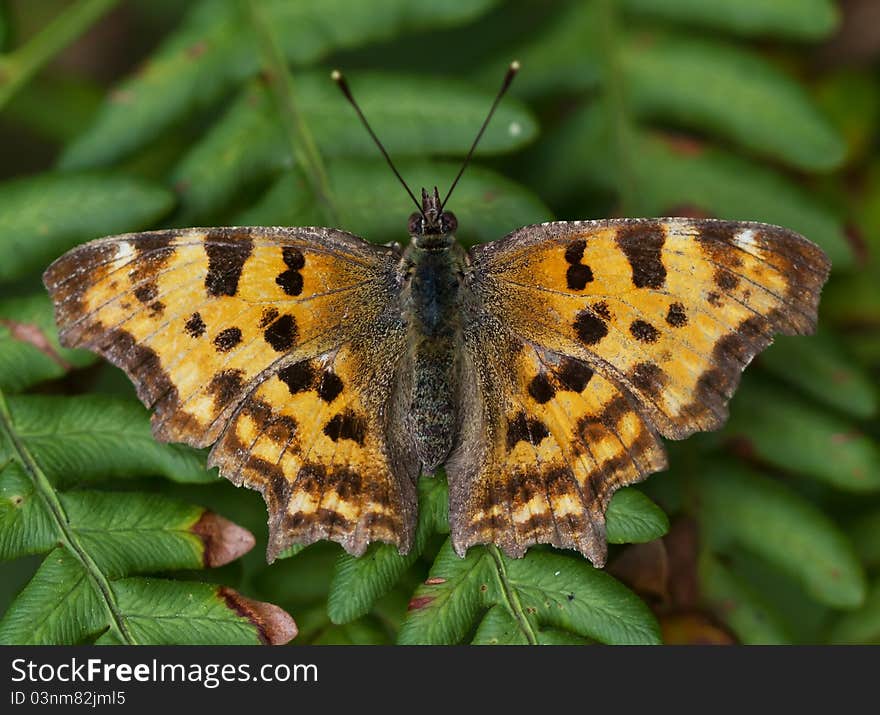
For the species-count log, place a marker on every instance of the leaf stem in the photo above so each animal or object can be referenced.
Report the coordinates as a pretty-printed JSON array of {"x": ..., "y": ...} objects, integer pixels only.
[
  {"x": 302, "y": 144},
  {"x": 67, "y": 536},
  {"x": 18, "y": 66},
  {"x": 511, "y": 597},
  {"x": 619, "y": 120}
]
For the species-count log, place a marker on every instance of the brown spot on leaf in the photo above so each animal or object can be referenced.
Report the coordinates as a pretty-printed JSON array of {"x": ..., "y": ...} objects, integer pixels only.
[
  {"x": 223, "y": 540},
  {"x": 34, "y": 336},
  {"x": 274, "y": 625},
  {"x": 419, "y": 602}
]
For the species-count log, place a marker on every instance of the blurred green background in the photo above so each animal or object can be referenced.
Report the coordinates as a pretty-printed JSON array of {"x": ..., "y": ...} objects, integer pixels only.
[{"x": 127, "y": 115}]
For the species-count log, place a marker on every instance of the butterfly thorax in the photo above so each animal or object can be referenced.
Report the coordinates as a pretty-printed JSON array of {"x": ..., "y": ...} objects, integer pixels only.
[{"x": 433, "y": 266}]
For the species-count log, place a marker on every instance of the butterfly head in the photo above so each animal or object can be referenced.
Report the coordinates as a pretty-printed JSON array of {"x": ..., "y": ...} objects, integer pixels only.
[{"x": 432, "y": 227}]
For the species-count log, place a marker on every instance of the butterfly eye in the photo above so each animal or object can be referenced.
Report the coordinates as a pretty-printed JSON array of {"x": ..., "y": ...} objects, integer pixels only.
[
  {"x": 415, "y": 224},
  {"x": 448, "y": 222}
]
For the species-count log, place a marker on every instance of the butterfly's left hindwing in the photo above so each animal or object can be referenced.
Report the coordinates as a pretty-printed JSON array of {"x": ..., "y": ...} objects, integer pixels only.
[
  {"x": 265, "y": 341},
  {"x": 588, "y": 339}
]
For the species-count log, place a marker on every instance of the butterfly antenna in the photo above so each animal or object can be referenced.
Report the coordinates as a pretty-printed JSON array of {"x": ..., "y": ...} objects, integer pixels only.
[
  {"x": 337, "y": 77},
  {"x": 505, "y": 85}
]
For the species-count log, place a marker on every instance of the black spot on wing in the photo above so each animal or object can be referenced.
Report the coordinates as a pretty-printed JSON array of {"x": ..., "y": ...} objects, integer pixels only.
[
  {"x": 573, "y": 374},
  {"x": 540, "y": 388},
  {"x": 293, "y": 257},
  {"x": 281, "y": 334},
  {"x": 227, "y": 339},
  {"x": 577, "y": 276},
  {"x": 146, "y": 292},
  {"x": 525, "y": 429},
  {"x": 648, "y": 378},
  {"x": 298, "y": 377},
  {"x": 195, "y": 326},
  {"x": 644, "y": 332},
  {"x": 329, "y": 386},
  {"x": 291, "y": 282},
  {"x": 225, "y": 385},
  {"x": 575, "y": 251},
  {"x": 677, "y": 317},
  {"x": 725, "y": 280},
  {"x": 590, "y": 328},
  {"x": 269, "y": 314},
  {"x": 347, "y": 425},
  {"x": 226, "y": 259},
  {"x": 642, "y": 244}
]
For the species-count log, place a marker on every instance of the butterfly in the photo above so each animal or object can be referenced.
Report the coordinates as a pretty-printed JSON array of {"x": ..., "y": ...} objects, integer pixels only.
[{"x": 540, "y": 370}]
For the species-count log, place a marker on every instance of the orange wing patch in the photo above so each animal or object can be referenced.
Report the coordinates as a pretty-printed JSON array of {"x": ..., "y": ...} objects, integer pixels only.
[
  {"x": 671, "y": 309},
  {"x": 206, "y": 322},
  {"x": 663, "y": 314},
  {"x": 313, "y": 442},
  {"x": 564, "y": 438}
]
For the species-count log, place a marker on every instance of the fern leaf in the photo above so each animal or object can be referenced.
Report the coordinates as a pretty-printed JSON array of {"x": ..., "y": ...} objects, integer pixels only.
[{"x": 97, "y": 540}]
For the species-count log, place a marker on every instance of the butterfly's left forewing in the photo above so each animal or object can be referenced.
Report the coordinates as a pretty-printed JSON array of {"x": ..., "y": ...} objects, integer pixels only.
[
  {"x": 280, "y": 345},
  {"x": 587, "y": 340}
]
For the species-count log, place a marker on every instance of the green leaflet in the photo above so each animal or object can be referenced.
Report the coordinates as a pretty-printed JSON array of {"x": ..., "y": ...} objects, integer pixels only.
[
  {"x": 96, "y": 540},
  {"x": 821, "y": 369},
  {"x": 721, "y": 90},
  {"x": 215, "y": 48},
  {"x": 542, "y": 589},
  {"x": 861, "y": 626},
  {"x": 43, "y": 216},
  {"x": 864, "y": 533},
  {"x": 248, "y": 143},
  {"x": 358, "y": 582},
  {"x": 96, "y": 437},
  {"x": 795, "y": 19},
  {"x": 791, "y": 433},
  {"x": 632, "y": 518},
  {"x": 730, "y": 93},
  {"x": 773, "y": 522},
  {"x": 29, "y": 348},
  {"x": 498, "y": 627},
  {"x": 60, "y": 604},
  {"x": 151, "y": 611},
  {"x": 486, "y": 204},
  {"x": 162, "y": 612},
  {"x": 739, "y": 605}
]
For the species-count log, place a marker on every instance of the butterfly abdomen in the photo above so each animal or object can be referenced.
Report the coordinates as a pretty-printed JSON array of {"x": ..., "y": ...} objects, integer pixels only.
[{"x": 431, "y": 300}]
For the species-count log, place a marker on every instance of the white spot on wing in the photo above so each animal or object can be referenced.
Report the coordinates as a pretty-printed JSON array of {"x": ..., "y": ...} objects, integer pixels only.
[
  {"x": 514, "y": 129},
  {"x": 745, "y": 239},
  {"x": 124, "y": 254}
]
